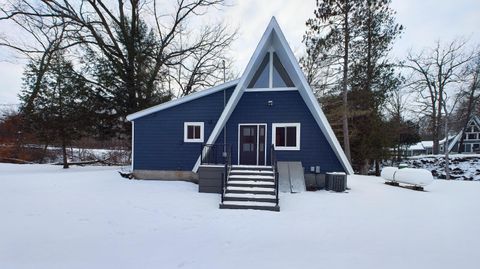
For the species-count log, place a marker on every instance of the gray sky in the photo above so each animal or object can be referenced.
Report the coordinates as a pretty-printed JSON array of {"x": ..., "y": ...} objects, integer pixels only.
[{"x": 426, "y": 21}]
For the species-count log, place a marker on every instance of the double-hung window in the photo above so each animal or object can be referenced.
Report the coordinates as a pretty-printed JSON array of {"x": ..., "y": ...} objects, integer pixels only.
[
  {"x": 286, "y": 136},
  {"x": 193, "y": 132}
]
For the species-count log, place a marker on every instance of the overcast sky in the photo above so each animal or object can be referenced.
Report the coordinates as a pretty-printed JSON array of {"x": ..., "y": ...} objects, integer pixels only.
[{"x": 425, "y": 21}]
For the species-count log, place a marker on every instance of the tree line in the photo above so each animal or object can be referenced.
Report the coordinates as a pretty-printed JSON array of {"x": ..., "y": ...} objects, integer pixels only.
[
  {"x": 377, "y": 105},
  {"x": 93, "y": 62}
]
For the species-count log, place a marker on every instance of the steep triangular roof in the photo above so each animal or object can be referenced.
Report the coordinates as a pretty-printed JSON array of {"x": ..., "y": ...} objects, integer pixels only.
[{"x": 274, "y": 38}]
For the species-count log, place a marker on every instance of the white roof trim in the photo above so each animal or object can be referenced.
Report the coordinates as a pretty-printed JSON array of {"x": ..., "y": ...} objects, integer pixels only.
[
  {"x": 181, "y": 100},
  {"x": 454, "y": 141},
  {"x": 273, "y": 30}
]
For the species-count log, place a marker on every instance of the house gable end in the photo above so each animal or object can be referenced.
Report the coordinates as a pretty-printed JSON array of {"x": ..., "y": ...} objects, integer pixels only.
[{"x": 273, "y": 37}]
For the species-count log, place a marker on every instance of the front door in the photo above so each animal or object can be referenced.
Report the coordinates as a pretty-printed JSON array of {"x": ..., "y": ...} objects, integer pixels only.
[{"x": 252, "y": 144}]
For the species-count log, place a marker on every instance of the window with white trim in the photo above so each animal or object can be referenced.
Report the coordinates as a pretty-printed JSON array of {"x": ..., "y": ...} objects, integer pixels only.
[
  {"x": 193, "y": 132},
  {"x": 286, "y": 136}
]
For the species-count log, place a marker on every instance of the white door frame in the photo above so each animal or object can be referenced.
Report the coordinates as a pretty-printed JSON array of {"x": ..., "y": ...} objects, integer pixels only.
[{"x": 258, "y": 141}]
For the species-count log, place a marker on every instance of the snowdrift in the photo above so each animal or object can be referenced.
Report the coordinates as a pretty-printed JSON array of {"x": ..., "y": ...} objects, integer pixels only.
[{"x": 417, "y": 177}]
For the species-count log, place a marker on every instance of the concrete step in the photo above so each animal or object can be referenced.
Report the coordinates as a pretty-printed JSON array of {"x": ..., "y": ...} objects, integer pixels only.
[{"x": 249, "y": 205}]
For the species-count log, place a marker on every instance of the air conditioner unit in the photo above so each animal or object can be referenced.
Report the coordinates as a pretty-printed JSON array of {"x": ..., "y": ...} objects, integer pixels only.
[{"x": 336, "y": 181}]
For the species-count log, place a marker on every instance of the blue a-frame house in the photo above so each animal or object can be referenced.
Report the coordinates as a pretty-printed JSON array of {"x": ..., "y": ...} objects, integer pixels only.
[{"x": 269, "y": 112}]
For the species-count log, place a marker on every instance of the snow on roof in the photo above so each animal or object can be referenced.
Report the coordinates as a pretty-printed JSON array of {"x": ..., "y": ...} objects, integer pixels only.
[
  {"x": 417, "y": 146},
  {"x": 427, "y": 144},
  {"x": 450, "y": 137}
]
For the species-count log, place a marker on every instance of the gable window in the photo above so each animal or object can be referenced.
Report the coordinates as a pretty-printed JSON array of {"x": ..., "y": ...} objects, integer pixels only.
[
  {"x": 193, "y": 132},
  {"x": 286, "y": 136},
  {"x": 271, "y": 74},
  {"x": 472, "y": 136}
]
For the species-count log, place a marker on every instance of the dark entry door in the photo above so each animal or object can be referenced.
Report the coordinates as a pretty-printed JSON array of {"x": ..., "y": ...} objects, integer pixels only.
[{"x": 252, "y": 144}]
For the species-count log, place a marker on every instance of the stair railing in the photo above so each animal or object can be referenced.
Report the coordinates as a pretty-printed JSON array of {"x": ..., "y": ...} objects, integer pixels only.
[
  {"x": 218, "y": 154},
  {"x": 273, "y": 163},
  {"x": 227, "y": 154}
]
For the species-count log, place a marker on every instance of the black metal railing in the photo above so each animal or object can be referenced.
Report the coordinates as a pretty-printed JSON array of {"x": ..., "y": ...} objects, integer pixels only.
[
  {"x": 218, "y": 154},
  {"x": 273, "y": 163},
  {"x": 215, "y": 153}
]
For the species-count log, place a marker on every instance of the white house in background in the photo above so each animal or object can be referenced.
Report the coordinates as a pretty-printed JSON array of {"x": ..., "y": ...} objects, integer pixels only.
[
  {"x": 421, "y": 148},
  {"x": 471, "y": 141}
]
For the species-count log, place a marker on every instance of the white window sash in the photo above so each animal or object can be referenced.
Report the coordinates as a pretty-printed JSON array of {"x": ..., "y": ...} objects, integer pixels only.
[
  {"x": 185, "y": 132},
  {"x": 283, "y": 125}
]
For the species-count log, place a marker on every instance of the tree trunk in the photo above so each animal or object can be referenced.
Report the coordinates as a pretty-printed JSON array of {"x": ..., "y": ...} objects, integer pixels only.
[
  {"x": 364, "y": 167},
  {"x": 64, "y": 151},
  {"x": 44, "y": 152},
  {"x": 445, "y": 147},
  {"x": 435, "y": 134},
  {"x": 346, "y": 138},
  {"x": 377, "y": 168}
]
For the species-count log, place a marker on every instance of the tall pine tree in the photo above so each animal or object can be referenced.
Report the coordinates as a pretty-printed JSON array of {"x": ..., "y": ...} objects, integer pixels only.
[
  {"x": 328, "y": 40},
  {"x": 347, "y": 61},
  {"x": 372, "y": 76},
  {"x": 61, "y": 111}
]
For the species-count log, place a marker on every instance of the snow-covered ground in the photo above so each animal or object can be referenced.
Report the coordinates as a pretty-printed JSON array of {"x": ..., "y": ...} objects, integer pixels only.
[{"x": 90, "y": 217}]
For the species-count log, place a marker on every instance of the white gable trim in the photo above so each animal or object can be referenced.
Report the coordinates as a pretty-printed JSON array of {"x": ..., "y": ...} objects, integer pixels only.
[
  {"x": 454, "y": 141},
  {"x": 181, "y": 100},
  {"x": 314, "y": 106},
  {"x": 283, "y": 89},
  {"x": 237, "y": 93},
  {"x": 273, "y": 29}
]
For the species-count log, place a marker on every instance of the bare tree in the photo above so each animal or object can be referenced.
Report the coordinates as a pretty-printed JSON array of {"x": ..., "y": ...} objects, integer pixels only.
[
  {"x": 138, "y": 42},
  {"x": 46, "y": 36},
  {"x": 448, "y": 111},
  {"x": 203, "y": 67},
  {"x": 396, "y": 105},
  {"x": 434, "y": 72}
]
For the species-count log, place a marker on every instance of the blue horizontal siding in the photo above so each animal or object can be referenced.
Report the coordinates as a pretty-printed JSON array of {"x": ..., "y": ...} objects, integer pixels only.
[
  {"x": 158, "y": 137},
  {"x": 288, "y": 107}
]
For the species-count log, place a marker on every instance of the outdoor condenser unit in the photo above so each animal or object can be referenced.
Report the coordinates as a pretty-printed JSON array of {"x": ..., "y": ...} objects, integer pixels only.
[{"x": 336, "y": 181}]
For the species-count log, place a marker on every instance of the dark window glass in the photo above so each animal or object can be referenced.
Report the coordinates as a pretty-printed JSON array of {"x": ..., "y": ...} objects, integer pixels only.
[
  {"x": 280, "y": 75},
  {"x": 261, "y": 77},
  {"x": 197, "y": 132},
  {"x": 472, "y": 136},
  {"x": 280, "y": 136},
  {"x": 291, "y": 136},
  {"x": 190, "y": 131}
]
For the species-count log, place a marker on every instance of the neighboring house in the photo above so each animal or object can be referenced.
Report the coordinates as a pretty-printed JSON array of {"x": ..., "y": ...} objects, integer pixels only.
[
  {"x": 471, "y": 142},
  {"x": 471, "y": 137},
  {"x": 426, "y": 147},
  {"x": 421, "y": 148},
  {"x": 269, "y": 114}
]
